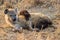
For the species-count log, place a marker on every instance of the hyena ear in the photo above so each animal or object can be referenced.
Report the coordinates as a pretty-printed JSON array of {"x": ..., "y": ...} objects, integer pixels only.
[
  {"x": 16, "y": 10},
  {"x": 6, "y": 11}
]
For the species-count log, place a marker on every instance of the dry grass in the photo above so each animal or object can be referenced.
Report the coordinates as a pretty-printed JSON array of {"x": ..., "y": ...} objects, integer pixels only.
[
  {"x": 46, "y": 34},
  {"x": 8, "y": 5},
  {"x": 52, "y": 33}
]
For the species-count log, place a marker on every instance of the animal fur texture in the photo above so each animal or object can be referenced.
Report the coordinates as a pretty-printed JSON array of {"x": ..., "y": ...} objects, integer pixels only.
[
  {"x": 25, "y": 16},
  {"x": 40, "y": 21},
  {"x": 35, "y": 20},
  {"x": 26, "y": 20},
  {"x": 11, "y": 19}
]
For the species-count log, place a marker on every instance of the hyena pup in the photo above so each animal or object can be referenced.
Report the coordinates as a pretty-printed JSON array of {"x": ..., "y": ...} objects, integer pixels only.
[
  {"x": 40, "y": 21},
  {"x": 25, "y": 16},
  {"x": 11, "y": 19},
  {"x": 35, "y": 21}
]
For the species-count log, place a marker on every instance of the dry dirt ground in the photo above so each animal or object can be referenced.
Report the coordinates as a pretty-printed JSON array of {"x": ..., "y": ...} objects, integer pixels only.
[{"x": 50, "y": 33}]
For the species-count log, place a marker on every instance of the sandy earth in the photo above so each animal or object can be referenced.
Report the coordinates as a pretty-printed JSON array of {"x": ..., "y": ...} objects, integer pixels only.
[{"x": 51, "y": 33}]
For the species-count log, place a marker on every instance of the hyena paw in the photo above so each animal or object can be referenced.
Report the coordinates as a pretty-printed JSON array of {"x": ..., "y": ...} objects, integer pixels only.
[{"x": 20, "y": 30}]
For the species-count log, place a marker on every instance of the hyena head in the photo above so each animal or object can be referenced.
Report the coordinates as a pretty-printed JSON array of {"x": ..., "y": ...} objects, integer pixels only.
[
  {"x": 11, "y": 14},
  {"x": 26, "y": 14}
]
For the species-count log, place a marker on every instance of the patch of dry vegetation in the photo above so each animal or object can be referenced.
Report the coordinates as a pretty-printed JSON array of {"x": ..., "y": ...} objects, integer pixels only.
[
  {"x": 46, "y": 34},
  {"x": 26, "y": 4},
  {"x": 8, "y": 5},
  {"x": 6, "y": 32}
]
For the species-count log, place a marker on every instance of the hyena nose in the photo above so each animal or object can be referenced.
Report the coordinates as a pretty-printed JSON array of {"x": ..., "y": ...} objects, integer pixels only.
[{"x": 14, "y": 19}]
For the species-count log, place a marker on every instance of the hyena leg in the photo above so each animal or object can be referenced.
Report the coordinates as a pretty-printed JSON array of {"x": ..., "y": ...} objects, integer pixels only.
[
  {"x": 17, "y": 28},
  {"x": 30, "y": 25}
]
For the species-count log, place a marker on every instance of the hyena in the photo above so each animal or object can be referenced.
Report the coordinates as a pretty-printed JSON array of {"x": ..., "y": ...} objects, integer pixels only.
[
  {"x": 11, "y": 19},
  {"x": 25, "y": 15},
  {"x": 35, "y": 21}
]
